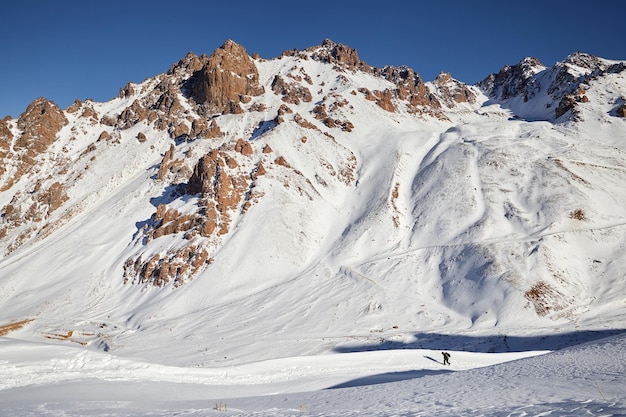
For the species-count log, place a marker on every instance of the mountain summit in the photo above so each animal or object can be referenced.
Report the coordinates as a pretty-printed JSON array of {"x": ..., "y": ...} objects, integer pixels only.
[{"x": 315, "y": 200}]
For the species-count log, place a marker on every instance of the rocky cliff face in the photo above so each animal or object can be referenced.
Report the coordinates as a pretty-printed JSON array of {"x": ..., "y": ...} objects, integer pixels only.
[
  {"x": 228, "y": 78},
  {"x": 513, "y": 80},
  {"x": 37, "y": 129}
]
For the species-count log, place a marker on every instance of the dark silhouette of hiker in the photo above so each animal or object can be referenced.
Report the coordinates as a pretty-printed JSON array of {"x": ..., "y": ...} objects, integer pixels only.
[{"x": 446, "y": 358}]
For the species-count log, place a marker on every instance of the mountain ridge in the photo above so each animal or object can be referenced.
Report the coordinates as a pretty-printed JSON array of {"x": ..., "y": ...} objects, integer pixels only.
[{"x": 313, "y": 179}]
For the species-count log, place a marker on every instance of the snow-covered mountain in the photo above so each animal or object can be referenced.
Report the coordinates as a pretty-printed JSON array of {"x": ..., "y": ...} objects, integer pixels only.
[{"x": 238, "y": 209}]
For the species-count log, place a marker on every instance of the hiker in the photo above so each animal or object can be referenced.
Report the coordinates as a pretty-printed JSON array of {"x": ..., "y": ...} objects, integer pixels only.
[{"x": 446, "y": 358}]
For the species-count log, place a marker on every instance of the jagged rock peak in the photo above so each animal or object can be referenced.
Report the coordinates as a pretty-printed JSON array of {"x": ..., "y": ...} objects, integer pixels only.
[
  {"x": 224, "y": 81},
  {"x": 526, "y": 68},
  {"x": 511, "y": 80},
  {"x": 530, "y": 62},
  {"x": 443, "y": 78},
  {"x": 452, "y": 91},
  {"x": 583, "y": 60},
  {"x": 40, "y": 123},
  {"x": 337, "y": 53},
  {"x": 190, "y": 63}
]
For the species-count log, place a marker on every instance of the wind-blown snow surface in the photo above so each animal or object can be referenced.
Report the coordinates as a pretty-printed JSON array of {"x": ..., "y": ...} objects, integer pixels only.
[
  {"x": 585, "y": 380},
  {"x": 436, "y": 244}
]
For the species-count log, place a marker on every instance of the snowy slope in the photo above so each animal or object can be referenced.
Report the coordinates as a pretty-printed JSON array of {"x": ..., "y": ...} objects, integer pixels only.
[
  {"x": 584, "y": 380},
  {"x": 354, "y": 211}
]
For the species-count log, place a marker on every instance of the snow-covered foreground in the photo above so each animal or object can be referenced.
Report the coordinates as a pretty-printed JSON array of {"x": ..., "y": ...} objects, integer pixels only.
[{"x": 52, "y": 380}]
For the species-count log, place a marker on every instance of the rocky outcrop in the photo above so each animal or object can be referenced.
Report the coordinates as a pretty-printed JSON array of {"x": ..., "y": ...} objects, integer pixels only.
[
  {"x": 221, "y": 185},
  {"x": 175, "y": 266},
  {"x": 132, "y": 115},
  {"x": 39, "y": 124},
  {"x": 451, "y": 91},
  {"x": 228, "y": 76},
  {"x": 569, "y": 103},
  {"x": 26, "y": 209},
  {"x": 410, "y": 88},
  {"x": 172, "y": 169},
  {"x": 328, "y": 112},
  {"x": 223, "y": 188},
  {"x": 200, "y": 128},
  {"x": 6, "y": 137},
  {"x": 291, "y": 93},
  {"x": 513, "y": 80},
  {"x": 188, "y": 65},
  {"x": 340, "y": 55},
  {"x": 565, "y": 83},
  {"x": 54, "y": 197}
]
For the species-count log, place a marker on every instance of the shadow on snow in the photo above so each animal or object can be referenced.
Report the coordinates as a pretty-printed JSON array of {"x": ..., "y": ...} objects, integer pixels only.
[
  {"x": 485, "y": 344},
  {"x": 387, "y": 377}
]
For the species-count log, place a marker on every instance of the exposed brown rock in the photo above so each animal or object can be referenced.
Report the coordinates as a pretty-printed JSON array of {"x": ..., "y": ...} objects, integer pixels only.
[
  {"x": 106, "y": 136},
  {"x": 566, "y": 104},
  {"x": 282, "y": 162},
  {"x": 545, "y": 298},
  {"x": 90, "y": 113},
  {"x": 384, "y": 100},
  {"x": 178, "y": 130},
  {"x": 228, "y": 75},
  {"x": 132, "y": 115},
  {"x": 412, "y": 88},
  {"x": 368, "y": 94},
  {"x": 35, "y": 206},
  {"x": 108, "y": 121},
  {"x": 284, "y": 109},
  {"x": 339, "y": 54},
  {"x": 452, "y": 91},
  {"x": 54, "y": 197},
  {"x": 221, "y": 188},
  {"x": 258, "y": 107},
  {"x": 291, "y": 92},
  {"x": 170, "y": 221},
  {"x": 260, "y": 170},
  {"x": 141, "y": 137},
  {"x": 166, "y": 163},
  {"x": 243, "y": 147},
  {"x": 74, "y": 107},
  {"x": 303, "y": 122},
  {"x": 177, "y": 266},
  {"x": 127, "y": 91},
  {"x": 511, "y": 80},
  {"x": 168, "y": 101},
  {"x": 6, "y": 137},
  {"x": 621, "y": 110},
  {"x": 7, "y": 328},
  {"x": 40, "y": 124},
  {"x": 188, "y": 65},
  {"x": 202, "y": 128},
  {"x": 320, "y": 113},
  {"x": 201, "y": 182}
]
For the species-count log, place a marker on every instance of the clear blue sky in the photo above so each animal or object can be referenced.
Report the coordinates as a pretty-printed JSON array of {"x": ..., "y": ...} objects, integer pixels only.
[{"x": 71, "y": 49}]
